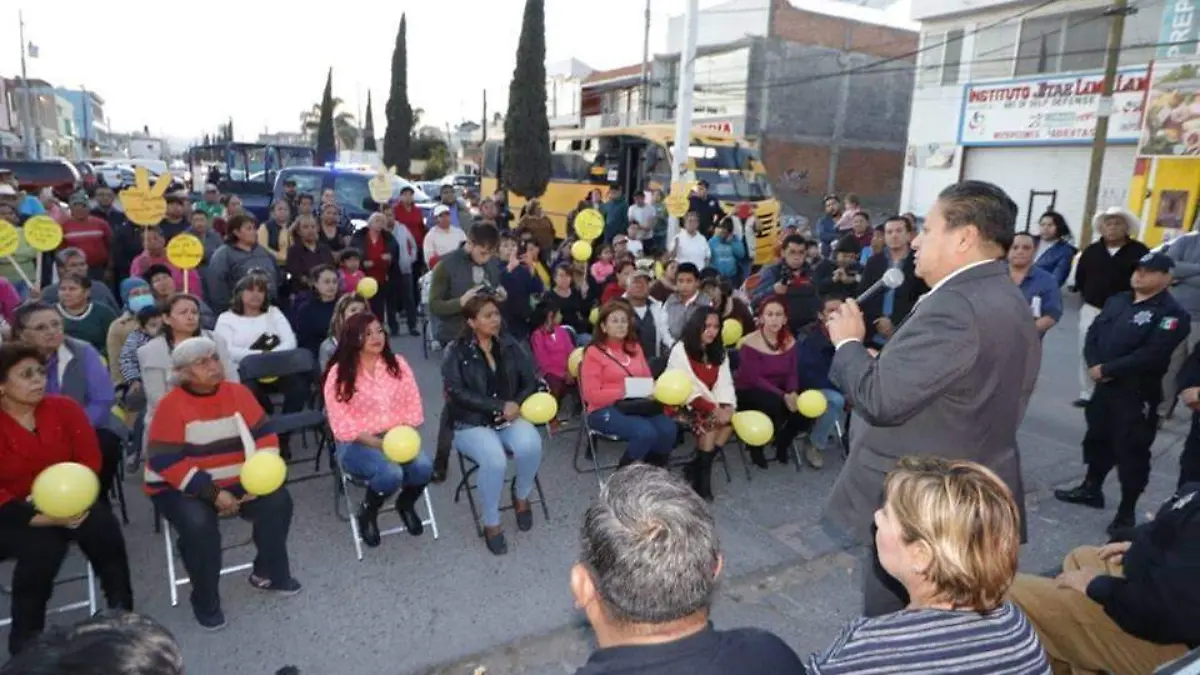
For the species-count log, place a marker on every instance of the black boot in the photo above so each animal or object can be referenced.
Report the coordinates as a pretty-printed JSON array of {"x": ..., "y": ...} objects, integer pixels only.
[
  {"x": 368, "y": 518},
  {"x": 406, "y": 503},
  {"x": 658, "y": 459},
  {"x": 1088, "y": 493},
  {"x": 1126, "y": 518},
  {"x": 757, "y": 456},
  {"x": 699, "y": 473},
  {"x": 783, "y": 453}
]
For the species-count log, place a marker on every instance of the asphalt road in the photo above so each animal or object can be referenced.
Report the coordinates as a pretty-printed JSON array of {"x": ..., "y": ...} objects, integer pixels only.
[{"x": 425, "y": 605}]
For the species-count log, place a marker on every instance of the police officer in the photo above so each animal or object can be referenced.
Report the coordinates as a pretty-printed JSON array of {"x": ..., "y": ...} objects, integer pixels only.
[
  {"x": 1188, "y": 385},
  {"x": 1127, "y": 352}
]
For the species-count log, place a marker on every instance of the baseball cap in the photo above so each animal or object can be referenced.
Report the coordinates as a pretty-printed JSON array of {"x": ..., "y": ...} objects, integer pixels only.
[
  {"x": 440, "y": 209},
  {"x": 642, "y": 272},
  {"x": 1156, "y": 262},
  {"x": 79, "y": 198}
]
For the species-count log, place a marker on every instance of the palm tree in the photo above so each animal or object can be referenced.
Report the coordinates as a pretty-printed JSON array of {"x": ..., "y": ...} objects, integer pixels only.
[{"x": 344, "y": 125}]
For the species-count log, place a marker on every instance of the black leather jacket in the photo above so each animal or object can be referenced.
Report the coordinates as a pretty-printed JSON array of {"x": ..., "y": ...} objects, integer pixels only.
[{"x": 465, "y": 373}]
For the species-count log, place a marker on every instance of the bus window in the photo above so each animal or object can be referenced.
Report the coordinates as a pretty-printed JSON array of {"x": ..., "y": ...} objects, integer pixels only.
[
  {"x": 491, "y": 159},
  {"x": 570, "y": 166}
]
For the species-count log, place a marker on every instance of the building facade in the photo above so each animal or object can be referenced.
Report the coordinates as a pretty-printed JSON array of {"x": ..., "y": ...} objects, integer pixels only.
[
  {"x": 89, "y": 122},
  {"x": 1008, "y": 92},
  {"x": 564, "y": 97},
  {"x": 824, "y": 91}
]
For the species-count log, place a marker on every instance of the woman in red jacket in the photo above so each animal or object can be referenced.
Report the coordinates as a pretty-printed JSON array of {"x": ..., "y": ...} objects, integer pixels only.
[
  {"x": 616, "y": 385},
  {"x": 37, "y": 431}
]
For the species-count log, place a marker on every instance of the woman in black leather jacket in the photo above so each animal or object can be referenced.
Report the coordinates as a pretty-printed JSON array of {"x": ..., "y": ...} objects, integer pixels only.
[{"x": 487, "y": 375}]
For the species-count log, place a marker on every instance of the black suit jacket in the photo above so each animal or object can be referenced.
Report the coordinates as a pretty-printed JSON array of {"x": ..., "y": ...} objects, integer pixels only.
[{"x": 906, "y": 294}]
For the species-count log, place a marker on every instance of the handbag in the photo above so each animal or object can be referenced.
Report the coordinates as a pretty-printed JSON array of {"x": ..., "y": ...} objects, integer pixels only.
[{"x": 636, "y": 407}]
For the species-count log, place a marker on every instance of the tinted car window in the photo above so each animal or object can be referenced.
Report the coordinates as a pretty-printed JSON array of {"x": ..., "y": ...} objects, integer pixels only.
[
  {"x": 306, "y": 183},
  {"x": 40, "y": 172},
  {"x": 351, "y": 189}
]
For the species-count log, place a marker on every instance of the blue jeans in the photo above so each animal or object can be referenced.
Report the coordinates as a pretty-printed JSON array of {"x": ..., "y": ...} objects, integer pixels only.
[
  {"x": 644, "y": 435},
  {"x": 823, "y": 428},
  {"x": 382, "y": 474},
  {"x": 487, "y": 447}
]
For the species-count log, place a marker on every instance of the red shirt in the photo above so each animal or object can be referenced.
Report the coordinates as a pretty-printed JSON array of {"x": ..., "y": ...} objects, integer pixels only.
[
  {"x": 91, "y": 235},
  {"x": 375, "y": 250},
  {"x": 63, "y": 433},
  {"x": 708, "y": 375},
  {"x": 612, "y": 291},
  {"x": 413, "y": 219}
]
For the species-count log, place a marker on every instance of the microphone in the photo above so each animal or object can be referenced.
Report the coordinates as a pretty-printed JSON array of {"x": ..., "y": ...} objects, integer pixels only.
[{"x": 890, "y": 279}]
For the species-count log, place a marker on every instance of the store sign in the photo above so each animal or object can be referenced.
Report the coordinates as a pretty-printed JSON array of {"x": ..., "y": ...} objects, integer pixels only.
[
  {"x": 1050, "y": 110},
  {"x": 1177, "y": 37},
  {"x": 1172, "y": 122}
]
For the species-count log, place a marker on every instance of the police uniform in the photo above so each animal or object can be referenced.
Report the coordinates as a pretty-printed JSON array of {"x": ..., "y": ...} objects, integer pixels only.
[{"x": 1132, "y": 343}]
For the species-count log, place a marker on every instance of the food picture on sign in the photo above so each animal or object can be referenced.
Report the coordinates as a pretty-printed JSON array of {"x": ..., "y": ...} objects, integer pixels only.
[
  {"x": 1172, "y": 121},
  {"x": 1171, "y": 207}
]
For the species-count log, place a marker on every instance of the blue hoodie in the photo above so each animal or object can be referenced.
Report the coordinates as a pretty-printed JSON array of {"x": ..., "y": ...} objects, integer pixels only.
[{"x": 726, "y": 254}]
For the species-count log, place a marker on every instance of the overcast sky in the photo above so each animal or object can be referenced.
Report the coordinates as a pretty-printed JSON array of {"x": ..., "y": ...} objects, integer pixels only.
[{"x": 182, "y": 67}]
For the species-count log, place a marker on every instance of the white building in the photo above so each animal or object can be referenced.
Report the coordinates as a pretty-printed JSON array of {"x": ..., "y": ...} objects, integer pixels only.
[
  {"x": 1008, "y": 93},
  {"x": 564, "y": 99}
]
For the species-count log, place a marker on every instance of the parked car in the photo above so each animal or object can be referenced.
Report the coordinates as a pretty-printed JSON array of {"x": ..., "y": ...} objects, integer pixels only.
[
  {"x": 33, "y": 175},
  {"x": 115, "y": 176},
  {"x": 350, "y": 188}
]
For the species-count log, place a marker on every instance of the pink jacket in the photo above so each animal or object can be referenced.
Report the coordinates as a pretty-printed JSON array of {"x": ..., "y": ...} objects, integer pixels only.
[
  {"x": 602, "y": 376},
  {"x": 380, "y": 402},
  {"x": 551, "y": 350}
]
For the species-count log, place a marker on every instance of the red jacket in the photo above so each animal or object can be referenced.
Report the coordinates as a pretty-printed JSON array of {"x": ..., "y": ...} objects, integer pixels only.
[
  {"x": 91, "y": 235},
  {"x": 603, "y": 378},
  {"x": 413, "y": 219},
  {"x": 63, "y": 434}
]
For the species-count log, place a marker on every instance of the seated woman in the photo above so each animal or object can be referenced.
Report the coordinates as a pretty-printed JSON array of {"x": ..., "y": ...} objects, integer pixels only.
[
  {"x": 487, "y": 376},
  {"x": 610, "y": 362},
  {"x": 199, "y": 439},
  {"x": 181, "y": 320},
  {"x": 252, "y": 325},
  {"x": 949, "y": 533},
  {"x": 163, "y": 288},
  {"x": 36, "y": 431},
  {"x": 552, "y": 345},
  {"x": 83, "y": 319},
  {"x": 346, "y": 307},
  {"x": 75, "y": 370},
  {"x": 712, "y": 401},
  {"x": 135, "y": 294},
  {"x": 368, "y": 391},
  {"x": 768, "y": 378},
  {"x": 313, "y": 317}
]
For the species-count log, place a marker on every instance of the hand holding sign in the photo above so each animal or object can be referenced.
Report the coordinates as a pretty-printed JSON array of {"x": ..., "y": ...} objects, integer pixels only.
[
  {"x": 44, "y": 234},
  {"x": 10, "y": 241},
  {"x": 381, "y": 185},
  {"x": 185, "y": 252},
  {"x": 144, "y": 205},
  {"x": 677, "y": 202},
  {"x": 589, "y": 224}
]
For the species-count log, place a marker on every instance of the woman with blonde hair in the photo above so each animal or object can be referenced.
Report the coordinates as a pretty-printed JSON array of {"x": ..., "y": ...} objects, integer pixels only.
[{"x": 949, "y": 533}]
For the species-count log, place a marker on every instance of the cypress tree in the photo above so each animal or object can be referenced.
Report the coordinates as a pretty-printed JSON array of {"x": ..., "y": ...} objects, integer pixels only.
[
  {"x": 369, "y": 128},
  {"x": 397, "y": 138},
  {"x": 326, "y": 145},
  {"x": 526, "y": 129}
]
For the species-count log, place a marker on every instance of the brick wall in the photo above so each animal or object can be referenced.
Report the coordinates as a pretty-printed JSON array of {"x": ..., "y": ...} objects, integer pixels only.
[
  {"x": 798, "y": 25},
  {"x": 800, "y": 173}
]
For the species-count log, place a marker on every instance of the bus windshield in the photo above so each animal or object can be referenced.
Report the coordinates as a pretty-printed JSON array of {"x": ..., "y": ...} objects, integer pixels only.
[{"x": 731, "y": 172}]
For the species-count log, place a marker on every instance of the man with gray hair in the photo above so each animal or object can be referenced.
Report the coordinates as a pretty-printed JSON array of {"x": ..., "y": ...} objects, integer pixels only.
[
  {"x": 202, "y": 432},
  {"x": 646, "y": 577},
  {"x": 70, "y": 261}
]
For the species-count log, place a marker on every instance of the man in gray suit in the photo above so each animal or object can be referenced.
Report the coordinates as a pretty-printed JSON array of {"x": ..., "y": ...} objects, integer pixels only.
[{"x": 954, "y": 379}]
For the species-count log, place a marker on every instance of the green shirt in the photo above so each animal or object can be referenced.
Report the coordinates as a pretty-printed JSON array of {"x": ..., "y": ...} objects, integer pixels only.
[
  {"x": 210, "y": 210},
  {"x": 91, "y": 326}
]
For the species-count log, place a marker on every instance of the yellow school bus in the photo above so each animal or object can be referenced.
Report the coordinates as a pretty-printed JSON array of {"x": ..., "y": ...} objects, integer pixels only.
[{"x": 638, "y": 158}]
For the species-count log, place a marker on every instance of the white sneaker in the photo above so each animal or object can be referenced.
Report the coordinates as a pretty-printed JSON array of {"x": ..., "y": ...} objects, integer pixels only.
[{"x": 813, "y": 456}]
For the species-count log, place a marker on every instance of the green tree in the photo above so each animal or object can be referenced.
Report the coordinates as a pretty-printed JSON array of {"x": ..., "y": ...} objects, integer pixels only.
[
  {"x": 439, "y": 161},
  {"x": 326, "y": 143},
  {"x": 369, "y": 128},
  {"x": 397, "y": 138},
  {"x": 526, "y": 129},
  {"x": 345, "y": 128}
]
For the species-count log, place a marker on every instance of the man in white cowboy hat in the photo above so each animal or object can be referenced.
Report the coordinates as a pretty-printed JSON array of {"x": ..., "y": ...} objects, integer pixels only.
[{"x": 1104, "y": 269}]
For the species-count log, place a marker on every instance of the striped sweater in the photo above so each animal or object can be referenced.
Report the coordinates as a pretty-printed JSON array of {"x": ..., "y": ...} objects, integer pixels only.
[
  {"x": 198, "y": 442},
  {"x": 933, "y": 642}
]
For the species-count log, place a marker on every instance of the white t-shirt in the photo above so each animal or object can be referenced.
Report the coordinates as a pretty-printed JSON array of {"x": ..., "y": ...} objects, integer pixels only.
[
  {"x": 692, "y": 248},
  {"x": 644, "y": 216},
  {"x": 439, "y": 242},
  {"x": 242, "y": 331}
]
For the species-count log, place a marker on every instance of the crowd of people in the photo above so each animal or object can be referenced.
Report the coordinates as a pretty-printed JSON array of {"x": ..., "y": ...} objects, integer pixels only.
[{"x": 107, "y": 333}]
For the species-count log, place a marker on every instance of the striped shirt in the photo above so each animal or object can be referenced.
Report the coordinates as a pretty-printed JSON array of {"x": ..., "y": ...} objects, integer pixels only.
[
  {"x": 198, "y": 442},
  {"x": 933, "y": 641}
]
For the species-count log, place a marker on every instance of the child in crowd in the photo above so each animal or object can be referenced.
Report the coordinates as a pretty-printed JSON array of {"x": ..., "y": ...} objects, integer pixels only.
[
  {"x": 552, "y": 346},
  {"x": 350, "y": 264},
  {"x": 635, "y": 245},
  {"x": 728, "y": 251},
  {"x": 150, "y": 323},
  {"x": 815, "y": 357},
  {"x": 603, "y": 268}
]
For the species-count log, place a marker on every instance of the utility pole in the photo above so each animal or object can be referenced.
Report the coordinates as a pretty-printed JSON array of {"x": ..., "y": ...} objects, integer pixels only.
[
  {"x": 644, "y": 113},
  {"x": 485, "y": 121},
  {"x": 33, "y": 149},
  {"x": 483, "y": 141},
  {"x": 683, "y": 105},
  {"x": 1116, "y": 31},
  {"x": 87, "y": 103}
]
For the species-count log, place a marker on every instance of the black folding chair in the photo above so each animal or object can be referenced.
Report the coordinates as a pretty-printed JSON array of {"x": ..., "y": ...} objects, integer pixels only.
[
  {"x": 267, "y": 367},
  {"x": 467, "y": 467}
]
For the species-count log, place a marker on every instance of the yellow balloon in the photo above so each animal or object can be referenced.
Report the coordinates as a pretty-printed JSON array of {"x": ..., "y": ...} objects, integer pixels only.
[
  {"x": 658, "y": 270},
  {"x": 581, "y": 251},
  {"x": 731, "y": 332},
  {"x": 539, "y": 408},
  {"x": 753, "y": 427},
  {"x": 65, "y": 490},
  {"x": 119, "y": 413},
  {"x": 812, "y": 403},
  {"x": 367, "y": 287},
  {"x": 673, "y": 388},
  {"x": 594, "y": 316},
  {"x": 263, "y": 473},
  {"x": 402, "y": 444},
  {"x": 589, "y": 224},
  {"x": 574, "y": 361}
]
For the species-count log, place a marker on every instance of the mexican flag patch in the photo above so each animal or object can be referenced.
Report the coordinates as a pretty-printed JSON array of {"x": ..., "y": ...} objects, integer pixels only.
[{"x": 1169, "y": 323}]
